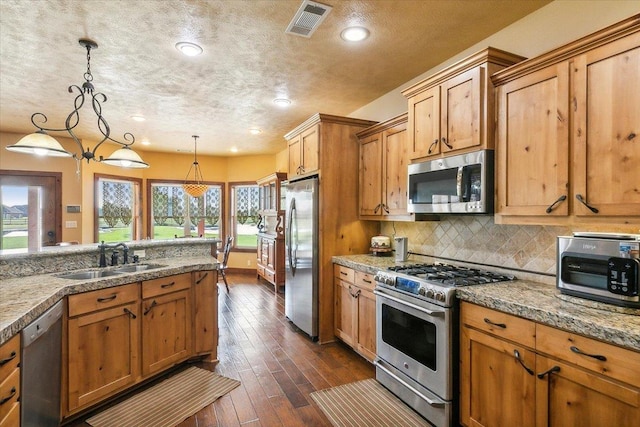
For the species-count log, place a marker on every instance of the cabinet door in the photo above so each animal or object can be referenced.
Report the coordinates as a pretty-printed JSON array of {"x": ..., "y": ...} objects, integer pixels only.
[
  {"x": 366, "y": 342},
  {"x": 396, "y": 159},
  {"x": 607, "y": 129},
  {"x": 310, "y": 140},
  {"x": 345, "y": 312},
  {"x": 295, "y": 154},
  {"x": 371, "y": 175},
  {"x": 205, "y": 312},
  {"x": 461, "y": 111},
  {"x": 571, "y": 396},
  {"x": 166, "y": 331},
  {"x": 533, "y": 144},
  {"x": 424, "y": 123},
  {"x": 496, "y": 390},
  {"x": 103, "y": 349},
  {"x": 271, "y": 255}
]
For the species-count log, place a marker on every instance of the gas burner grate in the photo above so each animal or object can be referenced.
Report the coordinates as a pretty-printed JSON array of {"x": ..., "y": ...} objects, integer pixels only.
[{"x": 451, "y": 275}]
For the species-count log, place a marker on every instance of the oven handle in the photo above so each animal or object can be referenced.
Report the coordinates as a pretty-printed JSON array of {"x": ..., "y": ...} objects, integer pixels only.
[
  {"x": 408, "y": 304},
  {"x": 431, "y": 402}
]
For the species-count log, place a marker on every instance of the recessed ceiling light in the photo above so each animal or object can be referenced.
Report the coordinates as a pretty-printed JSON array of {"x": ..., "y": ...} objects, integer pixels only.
[
  {"x": 189, "y": 49},
  {"x": 354, "y": 34},
  {"x": 255, "y": 131},
  {"x": 282, "y": 102},
  {"x": 233, "y": 149},
  {"x": 145, "y": 142},
  {"x": 138, "y": 118}
]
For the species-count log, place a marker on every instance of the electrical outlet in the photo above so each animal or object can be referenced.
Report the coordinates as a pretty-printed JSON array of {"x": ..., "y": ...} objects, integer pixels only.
[
  {"x": 140, "y": 253},
  {"x": 248, "y": 263}
]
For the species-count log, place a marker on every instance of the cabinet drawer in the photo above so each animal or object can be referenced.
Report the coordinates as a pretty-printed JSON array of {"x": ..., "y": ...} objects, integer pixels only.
[
  {"x": 103, "y": 298},
  {"x": 364, "y": 280},
  {"x": 165, "y": 285},
  {"x": 503, "y": 325},
  {"x": 10, "y": 390},
  {"x": 12, "y": 419},
  {"x": 9, "y": 357},
  {"x": 260, "y": 269},
  {"x": 269, "y": 275},
  {"x": 344, "y": 273},
  {"x": 620, "y": 363}
]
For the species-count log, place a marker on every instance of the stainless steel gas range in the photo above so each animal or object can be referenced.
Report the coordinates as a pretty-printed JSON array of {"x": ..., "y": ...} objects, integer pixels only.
[{"x": 417, "y": 334}]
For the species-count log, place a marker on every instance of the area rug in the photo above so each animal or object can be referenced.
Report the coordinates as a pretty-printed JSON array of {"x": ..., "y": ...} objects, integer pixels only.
[
  {"x": 365, "y": 403},
  {"x": 169, "y": 402}
]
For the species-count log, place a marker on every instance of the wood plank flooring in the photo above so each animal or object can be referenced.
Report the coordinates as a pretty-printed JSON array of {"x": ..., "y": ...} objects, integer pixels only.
[{"x": 278, "y": 366}]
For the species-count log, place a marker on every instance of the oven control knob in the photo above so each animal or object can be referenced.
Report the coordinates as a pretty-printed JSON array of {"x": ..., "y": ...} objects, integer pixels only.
[
  {"x": 429, "y": 293},
  {"x": 440, "y": 296},
  {"x": 422, "y": 291}
]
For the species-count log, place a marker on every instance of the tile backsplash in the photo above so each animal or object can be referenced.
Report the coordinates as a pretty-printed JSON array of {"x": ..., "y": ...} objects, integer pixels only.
[{"x": 477, "y": 239}]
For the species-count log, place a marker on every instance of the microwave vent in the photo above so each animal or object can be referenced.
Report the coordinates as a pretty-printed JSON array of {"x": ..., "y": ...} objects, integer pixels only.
[{"x": 308, "y": 18}]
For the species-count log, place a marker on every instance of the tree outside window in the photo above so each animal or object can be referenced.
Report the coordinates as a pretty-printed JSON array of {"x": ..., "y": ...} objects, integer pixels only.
[
  {"x": 244, "y": 215},
  {"x": 118, "y": 214}
]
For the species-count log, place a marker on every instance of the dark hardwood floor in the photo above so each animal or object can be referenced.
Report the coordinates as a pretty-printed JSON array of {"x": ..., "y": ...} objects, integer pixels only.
[{"x": 277, "y": 366}]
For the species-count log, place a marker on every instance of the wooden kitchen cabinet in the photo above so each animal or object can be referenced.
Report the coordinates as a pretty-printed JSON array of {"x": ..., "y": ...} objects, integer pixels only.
[
  {"x": 205, "y": 313},
  {"x": 453, "y": 110},
  {"x": 103, "y": 347},
  {"x": 355, "y": 311},
  {"x": 383, "y": 165},
  {"x": 270, "y": 260},
  {"x": 10, "y": 382},
  {"x": 574, "y": 380},
  {"x": 303, "y": 152},
  {"x": 567, "y": 138},
  {"x": 166, "y": 322},
  {"x": 269, "y": 189}
]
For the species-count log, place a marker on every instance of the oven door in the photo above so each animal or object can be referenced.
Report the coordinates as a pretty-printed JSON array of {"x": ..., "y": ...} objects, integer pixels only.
[{"x": 416, "y": 337}]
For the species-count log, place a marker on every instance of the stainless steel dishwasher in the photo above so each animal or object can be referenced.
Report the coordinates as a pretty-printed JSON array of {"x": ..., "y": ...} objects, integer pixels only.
[{"x": 40, "y": 368}]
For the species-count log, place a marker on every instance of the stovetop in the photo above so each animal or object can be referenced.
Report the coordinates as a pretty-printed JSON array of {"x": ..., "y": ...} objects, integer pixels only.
[{"x": 436, "y": 282}]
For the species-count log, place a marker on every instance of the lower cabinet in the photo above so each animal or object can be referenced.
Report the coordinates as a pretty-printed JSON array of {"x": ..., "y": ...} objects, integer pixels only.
[
  {"x": 270, "y": 260},
  {"x": 10, "y": 383},
  {"x": 117, "y": 337},
  {"x": 355, "y": 310},
  {"x": 518, "y": 372}
]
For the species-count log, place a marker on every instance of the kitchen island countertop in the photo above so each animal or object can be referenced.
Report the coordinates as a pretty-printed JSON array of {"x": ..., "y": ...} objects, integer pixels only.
[{"x": 535, "y": 299}]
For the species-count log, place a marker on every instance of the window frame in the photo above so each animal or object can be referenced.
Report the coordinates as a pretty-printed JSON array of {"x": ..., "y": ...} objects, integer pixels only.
[
  {"x": 149, "y": 205},
  {"x": 136, "y": 233},
  {"x": 232, "y": 228}
]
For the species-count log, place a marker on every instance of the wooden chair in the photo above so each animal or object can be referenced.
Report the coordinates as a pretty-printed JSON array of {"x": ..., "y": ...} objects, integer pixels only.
[{"x": 222, "y": 268}]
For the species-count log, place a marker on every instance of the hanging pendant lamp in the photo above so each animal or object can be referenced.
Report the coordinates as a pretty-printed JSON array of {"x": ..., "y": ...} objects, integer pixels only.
[{"x": 195, "y": 187}]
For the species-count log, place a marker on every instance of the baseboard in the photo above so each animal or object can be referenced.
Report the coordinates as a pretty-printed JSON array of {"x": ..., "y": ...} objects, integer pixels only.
[{"x": 242, "y": 271}]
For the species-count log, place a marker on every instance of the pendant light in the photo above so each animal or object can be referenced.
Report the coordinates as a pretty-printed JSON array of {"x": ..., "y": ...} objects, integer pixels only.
[
  {"x": 42, "y": 143},
  {"x": 195, "y": 186}
]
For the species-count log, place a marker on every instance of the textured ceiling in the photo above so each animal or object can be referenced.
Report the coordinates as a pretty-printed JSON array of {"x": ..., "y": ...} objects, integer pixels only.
[{"x": 248, "y": 61}]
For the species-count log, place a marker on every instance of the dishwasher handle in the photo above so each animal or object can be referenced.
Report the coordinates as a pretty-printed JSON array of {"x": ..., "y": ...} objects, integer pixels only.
[{"x": 42, "y": 324}]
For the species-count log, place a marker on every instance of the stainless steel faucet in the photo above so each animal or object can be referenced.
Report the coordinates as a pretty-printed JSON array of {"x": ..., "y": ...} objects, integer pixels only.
[{"x": 114, "y": 256}]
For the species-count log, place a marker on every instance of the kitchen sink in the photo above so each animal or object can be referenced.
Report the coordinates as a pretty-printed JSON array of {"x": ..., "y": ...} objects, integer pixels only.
[
  {"x": 133, "y": 268},
  {"x": 93, "y": 274}
]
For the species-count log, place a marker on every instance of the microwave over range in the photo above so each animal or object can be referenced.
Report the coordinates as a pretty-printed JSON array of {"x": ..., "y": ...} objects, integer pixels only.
[{"x": 462, "y": 183}]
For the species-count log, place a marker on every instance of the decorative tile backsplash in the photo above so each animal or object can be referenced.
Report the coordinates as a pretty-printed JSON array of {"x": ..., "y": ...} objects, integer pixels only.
[{"x": 478, "y": 239}]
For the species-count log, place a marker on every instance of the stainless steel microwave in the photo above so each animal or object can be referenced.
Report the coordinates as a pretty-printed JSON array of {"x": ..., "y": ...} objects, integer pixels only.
[{"x": 462, "y": 183}]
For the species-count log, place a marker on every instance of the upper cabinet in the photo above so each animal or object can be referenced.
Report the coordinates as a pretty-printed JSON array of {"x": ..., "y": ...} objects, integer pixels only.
[
  {"x": 269, "y": 189},
  {"x": 453, "y": 110},
  {"x": 303, "y": 151},
  {"x": 568, "y": 137},
  {"x": 384, "y": 156}
]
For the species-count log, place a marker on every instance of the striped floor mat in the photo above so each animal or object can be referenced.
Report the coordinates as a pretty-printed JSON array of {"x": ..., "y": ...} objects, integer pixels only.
[
  {"x": 365, "y": 403},
  {"x": 167, "y": 403}
]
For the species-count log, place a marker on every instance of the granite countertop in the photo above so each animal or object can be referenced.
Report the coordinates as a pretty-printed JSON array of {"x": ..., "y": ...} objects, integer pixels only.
[
  {"x": 23, "y": 299},
  {"x": 534, "y": 298}
]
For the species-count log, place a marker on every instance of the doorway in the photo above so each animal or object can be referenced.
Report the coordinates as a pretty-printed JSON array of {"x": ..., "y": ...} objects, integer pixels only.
[{"x": 31, "y": 209}]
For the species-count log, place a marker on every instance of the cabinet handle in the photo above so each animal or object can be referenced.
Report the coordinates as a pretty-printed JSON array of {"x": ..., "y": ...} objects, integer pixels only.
[
  {"x": 153, "y": 304},
  {"x": 516, "y": 354},
  {"x": 167, "y": 285},
  {"x": 366, "y": 281},
  {"x": 352, "y": 294},
  {"x": 584, "y": 202},
  {"x": 8, "y": 398},
  {"x": 553, "y": 205},
  {"x": 444, "y": 141},
  {"x": 107, "y": 299},
  {"x": 499, "y": 325},
  {"x": 8, "y": 359},
  {"x": 576, "y": 350},
  {"x": 202, "y": 278},
  {"x": 385, "y": 207},
  {"x": 375, "y": 211},
  {"x": 433, "y": 144},
  {"x": 549, "y": 372},
  {"x": 343, "y": 273},
  {"x": 130, "y": 313}
]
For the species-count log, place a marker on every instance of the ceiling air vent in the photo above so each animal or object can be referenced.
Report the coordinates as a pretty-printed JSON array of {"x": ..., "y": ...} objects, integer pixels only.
[{"x": 308, "y": 17}]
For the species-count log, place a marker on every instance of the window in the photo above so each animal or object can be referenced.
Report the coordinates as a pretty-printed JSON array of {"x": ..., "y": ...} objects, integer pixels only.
[
  {"x": 30, "y": 209},
  {"x": 244, "y": 215},
  {"x": 173, "y": 213},
  {"x": 118, "y": 207}
]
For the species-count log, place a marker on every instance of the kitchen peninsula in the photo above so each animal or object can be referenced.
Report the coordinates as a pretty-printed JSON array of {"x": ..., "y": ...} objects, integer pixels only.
[{"x": 163, "y": 309}]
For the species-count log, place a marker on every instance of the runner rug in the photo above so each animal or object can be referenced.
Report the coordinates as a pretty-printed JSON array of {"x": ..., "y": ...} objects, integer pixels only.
[
  {"x": 167, "y": 403},
  {"x": 365, "y": 403}
]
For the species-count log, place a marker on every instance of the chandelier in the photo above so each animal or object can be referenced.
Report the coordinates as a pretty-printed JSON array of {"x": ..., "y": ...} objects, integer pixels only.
[
  {"x": 42, "y": 143},
  {"x": 195, "y": 187}
]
